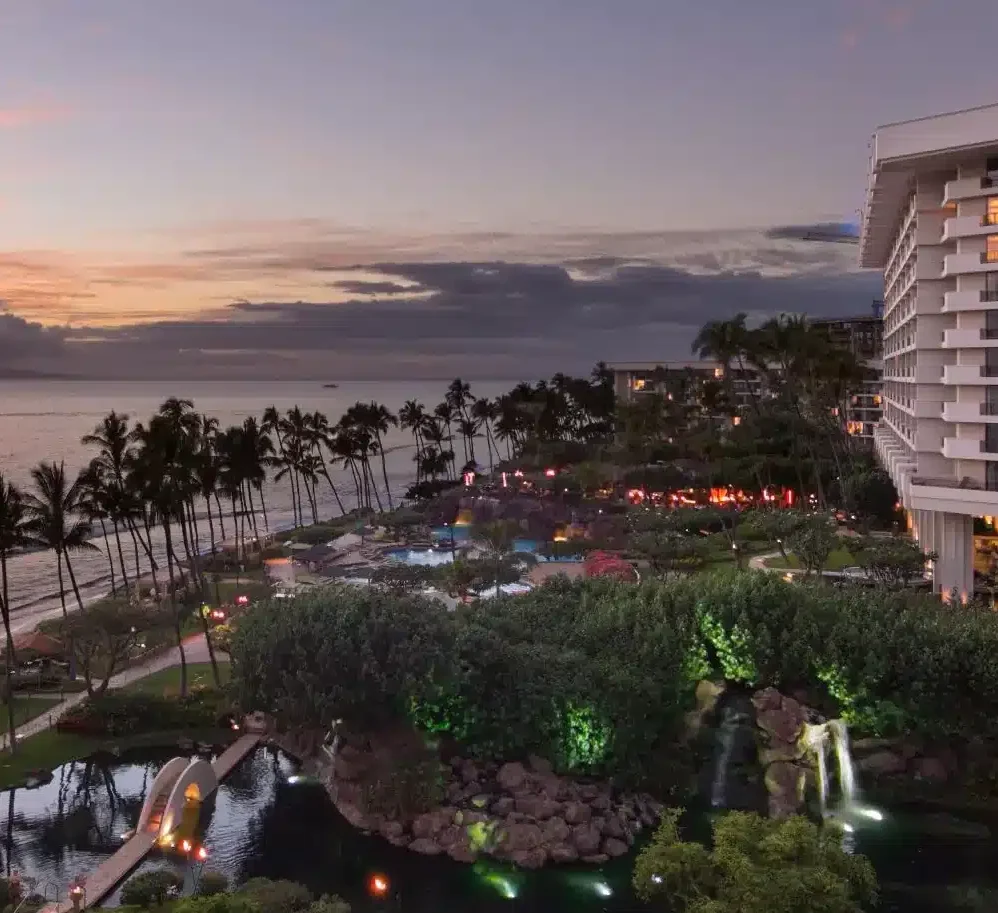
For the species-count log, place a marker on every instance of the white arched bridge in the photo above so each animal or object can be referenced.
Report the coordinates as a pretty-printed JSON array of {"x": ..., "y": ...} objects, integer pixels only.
[{"x": 169, "y": 816}]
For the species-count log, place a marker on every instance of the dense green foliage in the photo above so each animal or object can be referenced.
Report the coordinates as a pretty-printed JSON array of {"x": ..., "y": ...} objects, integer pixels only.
[
  {"x": 150, "y": 889},
  {"x": 355, "y": 654},
  {"x": 597, "y": 675},
  {"x": 756, "y": 865}
]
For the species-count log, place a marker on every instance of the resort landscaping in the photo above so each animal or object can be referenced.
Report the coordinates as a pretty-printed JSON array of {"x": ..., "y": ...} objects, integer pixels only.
[{"x": 643, "y": 625}]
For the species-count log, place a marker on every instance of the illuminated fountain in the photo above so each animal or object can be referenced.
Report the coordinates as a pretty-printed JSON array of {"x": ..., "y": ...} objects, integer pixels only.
[{"x": 823, "y": 739}]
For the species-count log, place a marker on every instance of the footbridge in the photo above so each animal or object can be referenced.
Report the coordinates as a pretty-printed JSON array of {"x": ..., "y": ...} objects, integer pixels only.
[{"x": 169, "y": 815}]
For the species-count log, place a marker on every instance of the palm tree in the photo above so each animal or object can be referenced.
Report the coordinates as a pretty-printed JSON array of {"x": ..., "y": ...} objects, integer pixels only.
[
  {"x": 412, "y": 417},
  {"x": 13, "y": 535},
  {"x": 112, "y": 439},
  {"x": 485, "y": 412},
  {"x": 319, "y": 435},
  {"x": 444, "y": 413},
  {"x": 56, "y": 521},
  {"x": 378, "y": 420},
  {"x": 93, "y": 505},
  {"x": 273, "y": 425}
]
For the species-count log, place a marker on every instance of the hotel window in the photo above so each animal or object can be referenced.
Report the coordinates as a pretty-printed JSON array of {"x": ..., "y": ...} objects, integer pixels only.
[
  {"x": 638, "y": 383},
  {"x": 991, "y": 217},
  {"x": 991, "y": 251}
]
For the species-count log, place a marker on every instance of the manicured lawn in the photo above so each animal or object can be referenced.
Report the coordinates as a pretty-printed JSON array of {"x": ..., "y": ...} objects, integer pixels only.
[
  {"x": 167, "y": 681},
  {"x": 837, "y": 561},
  {"x": 26, "y": 708}
]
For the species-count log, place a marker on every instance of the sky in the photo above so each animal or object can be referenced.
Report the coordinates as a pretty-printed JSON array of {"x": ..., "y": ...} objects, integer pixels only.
[{"x": 349, "y": 189}]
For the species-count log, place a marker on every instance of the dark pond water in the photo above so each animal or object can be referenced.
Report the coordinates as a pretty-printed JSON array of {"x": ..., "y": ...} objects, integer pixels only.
[{"x": 260, "y": 824}]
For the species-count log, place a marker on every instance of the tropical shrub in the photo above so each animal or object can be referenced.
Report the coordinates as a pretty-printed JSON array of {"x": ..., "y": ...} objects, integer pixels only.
[
  {"x": 117, "y": 713},
  {"x": 275, "y": 896},
  {"x": 756, "y": 865},
  {"x": 151, "y": 889},
  {"x": 211, "y": 883},
  {"x": 343, "y": 653}
]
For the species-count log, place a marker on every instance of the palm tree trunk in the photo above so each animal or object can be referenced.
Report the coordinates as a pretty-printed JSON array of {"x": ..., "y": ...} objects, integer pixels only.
[
  {"x": 263, "y": 507},
  {"x": 249, "y": 495},
  {"x": 173, "y": 605},
  {"x": 65, "y": 617},
  {"x": 235, "y": 526},
  {"x": 110, "y": 560},
  {"x": 384, "y": 472},
  {"x": 72, "y": 580},
  {"x": 211, "y": 526},
  {"x": 7, "y": 689},
  {"x": 221, "y": 521},
  {"x": 121, "y": 553},
  {"x": 373, "y": 486},
  {"x": 297, "y": 489}
]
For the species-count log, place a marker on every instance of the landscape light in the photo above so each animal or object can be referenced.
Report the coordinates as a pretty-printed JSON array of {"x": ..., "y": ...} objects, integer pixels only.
[
  {"x": 550, "y": 473},
  {"x": 202, "y": 854},
  {"x": 377, "y": 885},
  {"x": 242, "y": 600},
  {"x": 185, "y": 846},
  {"x": 872, "y": 813},
  {"x": 603, "y": 889},
  {"x": 657, "y": 879}
]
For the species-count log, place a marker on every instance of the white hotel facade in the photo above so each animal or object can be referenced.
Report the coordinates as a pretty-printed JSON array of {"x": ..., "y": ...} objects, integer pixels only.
[{"x": 931, "y": 224}]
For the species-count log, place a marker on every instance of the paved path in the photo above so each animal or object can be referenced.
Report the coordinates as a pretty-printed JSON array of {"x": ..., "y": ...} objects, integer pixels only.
[
  {"x": 195, "y": 648},
  {"x": 758, "y": 563}
]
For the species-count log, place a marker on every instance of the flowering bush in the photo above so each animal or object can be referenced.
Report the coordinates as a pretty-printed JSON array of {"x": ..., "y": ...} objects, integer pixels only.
[{"x": 606, "y": 564}]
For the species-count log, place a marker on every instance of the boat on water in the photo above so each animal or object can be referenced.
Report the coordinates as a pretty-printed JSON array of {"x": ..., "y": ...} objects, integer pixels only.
[{"x": 330, "y": 386}]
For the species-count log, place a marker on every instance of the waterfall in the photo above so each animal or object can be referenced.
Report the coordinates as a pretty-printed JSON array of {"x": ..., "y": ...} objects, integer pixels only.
[
  {"x": 817, "y": 738},
  {"x": 718, "y": 791},
  {"x": 847, "y": 771}
]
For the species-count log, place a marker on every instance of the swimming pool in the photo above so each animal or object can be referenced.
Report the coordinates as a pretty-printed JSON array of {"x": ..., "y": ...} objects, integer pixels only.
[{"x": 421, "y": 557}]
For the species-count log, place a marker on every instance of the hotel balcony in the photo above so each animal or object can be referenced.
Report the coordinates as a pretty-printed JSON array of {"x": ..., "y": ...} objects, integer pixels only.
[
  {"x": 967, "y": 189},
  {"x": 969, "y": 376},
  {"x": 970, "y": 339},
  {"x": 950, "y": 496},
  {"x": 963, "y": 448},
  {"x": 967, "y": 227},
  {"x": 958, "y": 264},
  {"x": 970, "y": 413},
  {"x": 969, "y": 301}
]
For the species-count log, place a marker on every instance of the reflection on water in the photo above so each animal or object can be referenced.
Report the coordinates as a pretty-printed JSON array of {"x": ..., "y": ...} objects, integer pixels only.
[{"x": 260, "y": 823}]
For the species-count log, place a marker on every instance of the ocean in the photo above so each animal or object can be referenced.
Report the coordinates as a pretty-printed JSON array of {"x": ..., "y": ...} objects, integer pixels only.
[{"x": 45, "y": 420}]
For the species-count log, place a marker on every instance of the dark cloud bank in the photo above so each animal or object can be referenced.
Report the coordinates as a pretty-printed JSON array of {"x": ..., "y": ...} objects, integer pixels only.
[{"x": 430, "y": 320}]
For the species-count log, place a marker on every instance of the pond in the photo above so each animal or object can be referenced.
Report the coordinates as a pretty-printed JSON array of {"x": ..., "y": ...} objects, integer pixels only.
[{"x": 264, "y": 821}]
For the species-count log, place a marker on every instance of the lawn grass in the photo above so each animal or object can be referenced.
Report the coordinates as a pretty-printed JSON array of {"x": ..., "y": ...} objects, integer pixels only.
[
  {"x": 50, "y": 749},
  {"x": 167, "y": 681},
  {"x": 26, "y": 708},
  {"x": 838, "y": 560}
]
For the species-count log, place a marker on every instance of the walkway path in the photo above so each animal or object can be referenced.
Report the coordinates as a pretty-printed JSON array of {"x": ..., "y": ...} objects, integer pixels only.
[
  {"x": 758, "y": 563},
  {"x": 195, "y": 648}
]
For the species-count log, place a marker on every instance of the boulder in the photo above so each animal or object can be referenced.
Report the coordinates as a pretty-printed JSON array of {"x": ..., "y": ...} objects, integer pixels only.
[
  {"x": 503, "y": 806},
  {"x": 350, "y": 769},
  {"x": 391, "y": 829},
  {"x": 529, "y": 859},
  {"x": 586, "y": 839},
  {"x": 432, "y": 823},
  {"x": 767, "y": 699},
  {"x": 540, "y": 765},
  {"x": 614, "y": 847},
  {"x": 882, "y": 763},
  {"x": 931, "y": 769},
  {"x": 596, "y": 859},
  {"x": 613, "y": 826},
  {"x": 781, "y": 724},
  {"x": 563, "y": 853},
  {"x": 600, "y": 804},
  {"x": 785, "y": 784},
  {"x": 707, "y": 695},
  {"x": 354, "y": 815},
  {"x": 578, "y": 813},
  {"x": 469, "y": 772},
  {"x": 511, "y": 776},
  {"x": 556, "y": 831},
  {"x": 522, "y": 837},
  {"x": 425, "y": 846}
]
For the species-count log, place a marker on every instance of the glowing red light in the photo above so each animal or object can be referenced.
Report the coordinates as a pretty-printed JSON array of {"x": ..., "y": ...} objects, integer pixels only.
[
  {"x": 550, "y": 473},
  {"x": 202, "y": 853},
  {"x": 185, "y": 846},
  {"x": 377, "y": 885},
  {"x": 242, "y": 600}
]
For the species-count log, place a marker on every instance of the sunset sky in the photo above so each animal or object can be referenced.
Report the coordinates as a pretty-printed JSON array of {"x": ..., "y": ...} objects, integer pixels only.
[{"x": 405, "y": 187}]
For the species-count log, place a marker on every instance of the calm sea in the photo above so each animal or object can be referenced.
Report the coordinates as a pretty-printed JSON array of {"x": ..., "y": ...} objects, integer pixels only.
[{"x": 45, "y": 420}]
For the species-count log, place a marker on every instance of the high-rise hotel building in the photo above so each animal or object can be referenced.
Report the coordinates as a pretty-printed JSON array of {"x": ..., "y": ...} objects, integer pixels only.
[{"x": 931, "y": 224}]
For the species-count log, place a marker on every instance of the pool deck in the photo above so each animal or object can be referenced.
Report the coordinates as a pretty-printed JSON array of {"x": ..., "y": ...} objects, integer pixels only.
[{"x": 109, "y": 873}]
